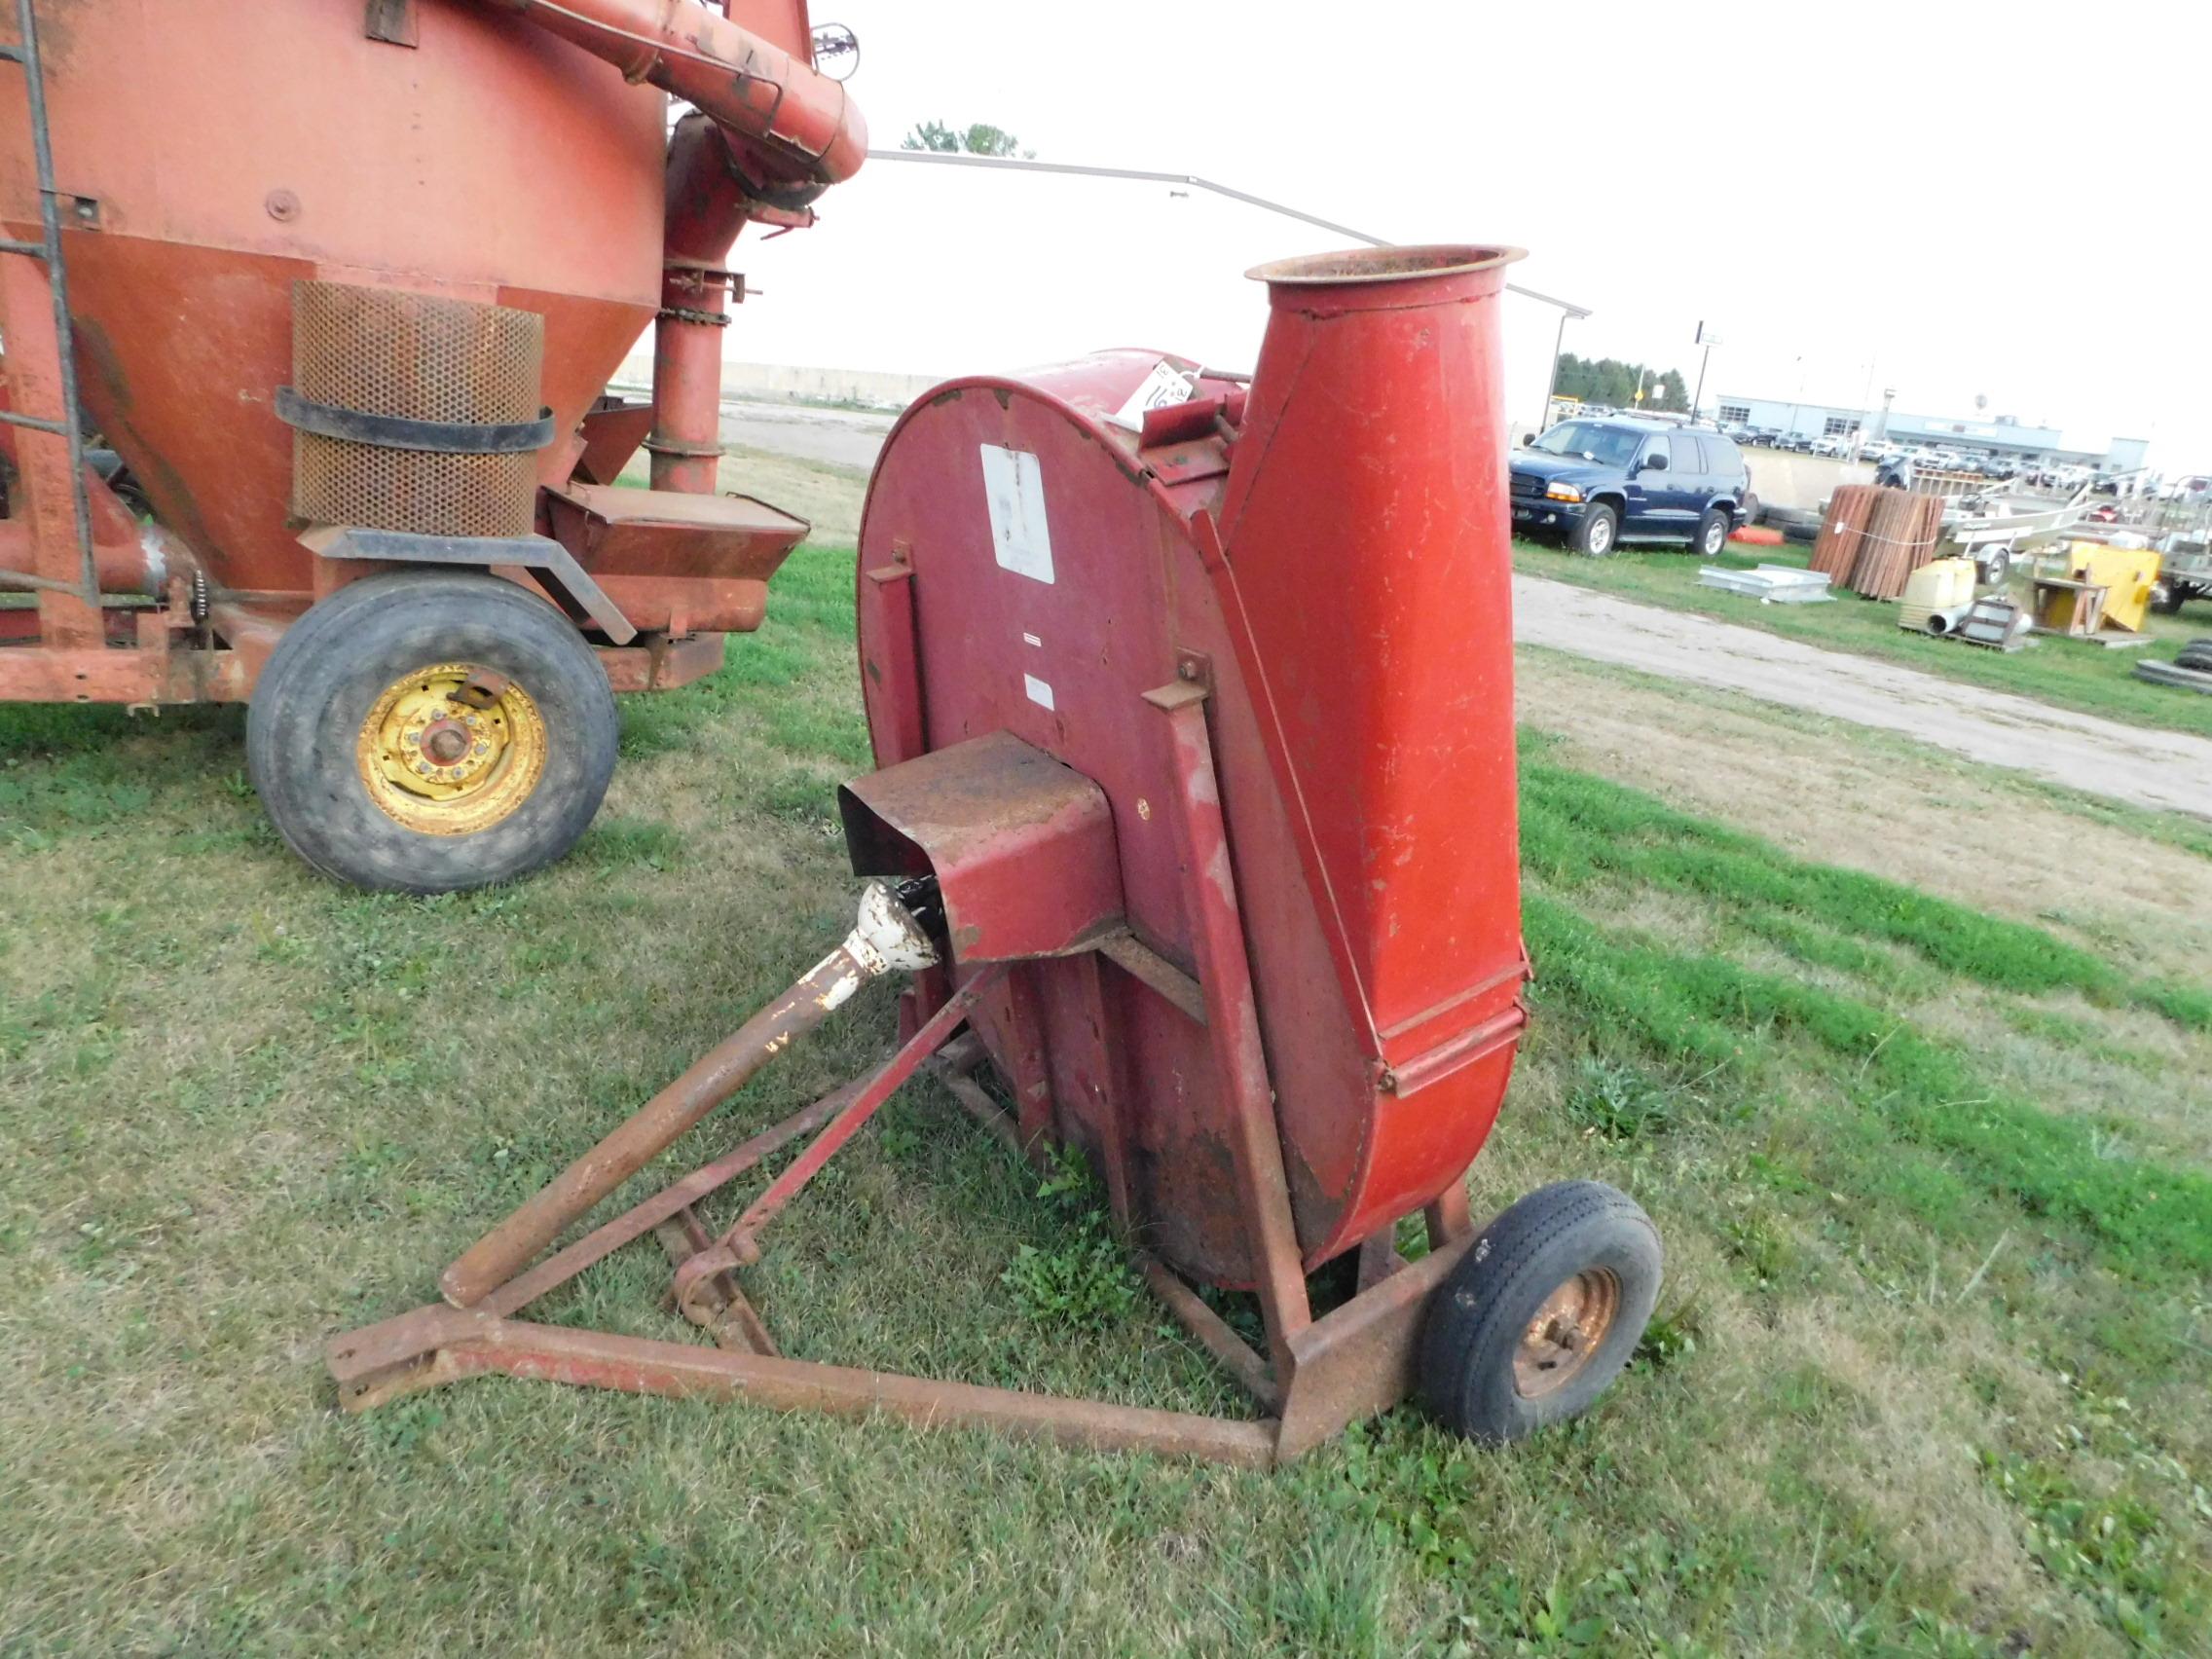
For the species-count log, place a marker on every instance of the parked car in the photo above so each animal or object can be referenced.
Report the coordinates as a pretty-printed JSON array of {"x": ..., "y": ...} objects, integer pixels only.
[
  {"x": 1596, "y": 484},
  {"x": 1831, "y": 443}
]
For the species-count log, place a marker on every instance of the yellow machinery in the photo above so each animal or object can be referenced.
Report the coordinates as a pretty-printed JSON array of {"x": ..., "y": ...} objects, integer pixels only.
[{"x": 2104, "y": 586}]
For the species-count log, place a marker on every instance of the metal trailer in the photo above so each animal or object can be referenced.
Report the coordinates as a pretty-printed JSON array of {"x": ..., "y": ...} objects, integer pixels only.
[
  {"x": 2185, "y": 572},
  {"x": 1194, "y": 827},
  {"x": 339, "y": 284}
]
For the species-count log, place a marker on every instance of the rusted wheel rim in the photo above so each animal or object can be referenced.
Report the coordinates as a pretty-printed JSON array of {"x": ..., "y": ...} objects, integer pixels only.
[
  {"x": 1567, "y": 1330},
  {"x": 440, "y": 765}
]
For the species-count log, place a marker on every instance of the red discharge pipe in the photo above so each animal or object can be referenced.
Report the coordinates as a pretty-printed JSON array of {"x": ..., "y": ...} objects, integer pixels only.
[
  {"x": 790, "y": 127},
  {"x": 1370, "y": 469},
  {"x": 707, "y": 207},
  {"x": 775, "y": 134}
]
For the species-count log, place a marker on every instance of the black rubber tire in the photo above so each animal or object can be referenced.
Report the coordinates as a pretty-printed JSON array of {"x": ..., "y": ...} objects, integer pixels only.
[
  {"x": 2196, "y": 655},
  {"x": 1606, "y": 540},
  {"x": 1997, "y": 568},
  {"x": 1476, "y": 1318},
  {"x": 1714, "y": 528},
  {"x": 2166, "y": 599},
  {"x": 304, "y": 724}
]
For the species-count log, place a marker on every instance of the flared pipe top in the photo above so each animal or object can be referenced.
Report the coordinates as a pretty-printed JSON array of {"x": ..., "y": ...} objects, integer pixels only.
[{"x": 1377, "y": 277}]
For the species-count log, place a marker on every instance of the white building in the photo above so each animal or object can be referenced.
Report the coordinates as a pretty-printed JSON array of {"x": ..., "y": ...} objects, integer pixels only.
[{"x": 2002, "y": 435}]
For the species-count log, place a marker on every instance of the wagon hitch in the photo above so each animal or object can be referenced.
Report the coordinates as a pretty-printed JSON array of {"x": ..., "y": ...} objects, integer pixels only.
[
  {"x": 891, "y": 932},
  {"x": 474, "y": 1331},
  {"x": 885, "y": 937}
]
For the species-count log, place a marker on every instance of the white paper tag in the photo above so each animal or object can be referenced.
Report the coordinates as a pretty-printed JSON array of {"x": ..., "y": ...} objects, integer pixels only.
[
  {"x": 1014, "y": 489},
  {"x": 1160, "y": 388}
]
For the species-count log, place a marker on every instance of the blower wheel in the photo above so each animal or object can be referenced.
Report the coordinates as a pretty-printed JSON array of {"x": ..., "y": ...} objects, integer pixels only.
[{"x": 1542, "y": 1314}]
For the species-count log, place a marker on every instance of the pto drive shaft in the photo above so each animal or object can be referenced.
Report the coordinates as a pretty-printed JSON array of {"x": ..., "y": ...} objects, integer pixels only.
[{"x": 886, "y": 938}]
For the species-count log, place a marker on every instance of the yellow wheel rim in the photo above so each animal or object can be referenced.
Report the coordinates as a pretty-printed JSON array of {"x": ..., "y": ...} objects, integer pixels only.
[{"x": 437, "y": 762}]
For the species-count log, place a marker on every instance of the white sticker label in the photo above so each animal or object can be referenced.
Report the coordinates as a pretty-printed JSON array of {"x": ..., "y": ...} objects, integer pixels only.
[
  {"x": 1039, "y": 692},
  {"x": 1164, "y": 386},
  {"x": 1014, "y": 487}
]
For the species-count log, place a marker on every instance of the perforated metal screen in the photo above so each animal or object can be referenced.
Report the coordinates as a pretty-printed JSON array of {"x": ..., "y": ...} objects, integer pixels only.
[{"x": 427, "y": 358}]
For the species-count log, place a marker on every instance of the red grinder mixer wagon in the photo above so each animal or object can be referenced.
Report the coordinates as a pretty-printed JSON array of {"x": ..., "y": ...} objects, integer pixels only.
[
  {"x": 1194, "y": 827},
  {"x": 309, "y": 310}
]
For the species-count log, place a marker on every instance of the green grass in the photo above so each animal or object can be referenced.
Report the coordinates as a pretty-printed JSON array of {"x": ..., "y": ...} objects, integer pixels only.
[
  {"x": 2071, "y": 674},
  {"x": 1577, "y": 828},
  {"x": 1927, "y": 1376}
]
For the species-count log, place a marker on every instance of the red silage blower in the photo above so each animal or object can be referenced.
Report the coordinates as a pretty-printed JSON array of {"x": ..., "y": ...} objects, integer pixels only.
[{"x": 1193, "y": 828}]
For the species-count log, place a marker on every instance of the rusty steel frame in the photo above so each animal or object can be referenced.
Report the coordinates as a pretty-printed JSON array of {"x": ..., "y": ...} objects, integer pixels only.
[
  {"x": 1320, "y": 1374},
  {"x": 166, "y": 666},
  {"x": 873, "y": 947},
  {"x": 740, "y": 1244},
  {"x": 1232, "y": 1011}
]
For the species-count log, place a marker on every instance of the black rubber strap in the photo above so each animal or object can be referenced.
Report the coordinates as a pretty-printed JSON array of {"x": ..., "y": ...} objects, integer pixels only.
[{"x": 396, "y": 431}]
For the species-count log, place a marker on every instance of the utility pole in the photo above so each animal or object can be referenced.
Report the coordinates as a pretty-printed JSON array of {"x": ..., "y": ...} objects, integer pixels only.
[
  {"x": 1551, "y": 386},
  {"x": 1709, "y": 340}
]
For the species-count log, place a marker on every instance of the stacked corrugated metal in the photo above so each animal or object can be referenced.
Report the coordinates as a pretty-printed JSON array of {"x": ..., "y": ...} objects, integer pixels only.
[
  {"x": 1873, "y": 539},
  {"x": 1836, "y": 547}
]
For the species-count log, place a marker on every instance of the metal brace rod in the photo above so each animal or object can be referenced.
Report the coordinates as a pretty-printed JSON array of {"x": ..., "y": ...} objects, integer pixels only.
[
  {"x": 739, "y": 1243},
  {"x": 884, "y": 939},
  {"x": 1224, "y": 974}
]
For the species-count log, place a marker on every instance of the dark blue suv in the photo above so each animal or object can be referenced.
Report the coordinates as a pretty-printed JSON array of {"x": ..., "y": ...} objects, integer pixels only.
[{"x": 1600, "y": 483}]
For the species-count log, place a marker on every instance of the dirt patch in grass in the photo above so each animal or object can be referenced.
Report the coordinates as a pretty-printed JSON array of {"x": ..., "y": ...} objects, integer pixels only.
[{"x": 1844, "y": 797}]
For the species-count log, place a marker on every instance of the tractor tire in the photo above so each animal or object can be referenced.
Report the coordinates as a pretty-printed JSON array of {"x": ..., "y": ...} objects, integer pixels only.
[
  {"x": 2167, "y": 598},
  {"x": 1710, "y": 538},
  {"x": 2197, "y": 656},
  {"x": 1541, "y": 1313},
  {"x": 1598, "y": 533},
  {"x": 423, "y": 731}
]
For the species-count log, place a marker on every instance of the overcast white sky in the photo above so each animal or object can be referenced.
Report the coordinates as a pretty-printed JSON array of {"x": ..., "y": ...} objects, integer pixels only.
[{"x": 1951, "y": 201}]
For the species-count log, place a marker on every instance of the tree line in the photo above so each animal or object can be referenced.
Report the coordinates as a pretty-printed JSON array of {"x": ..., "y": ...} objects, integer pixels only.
[
  {"x": 1611, "y": 381},
  {"x": 978, "y": 138}
]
